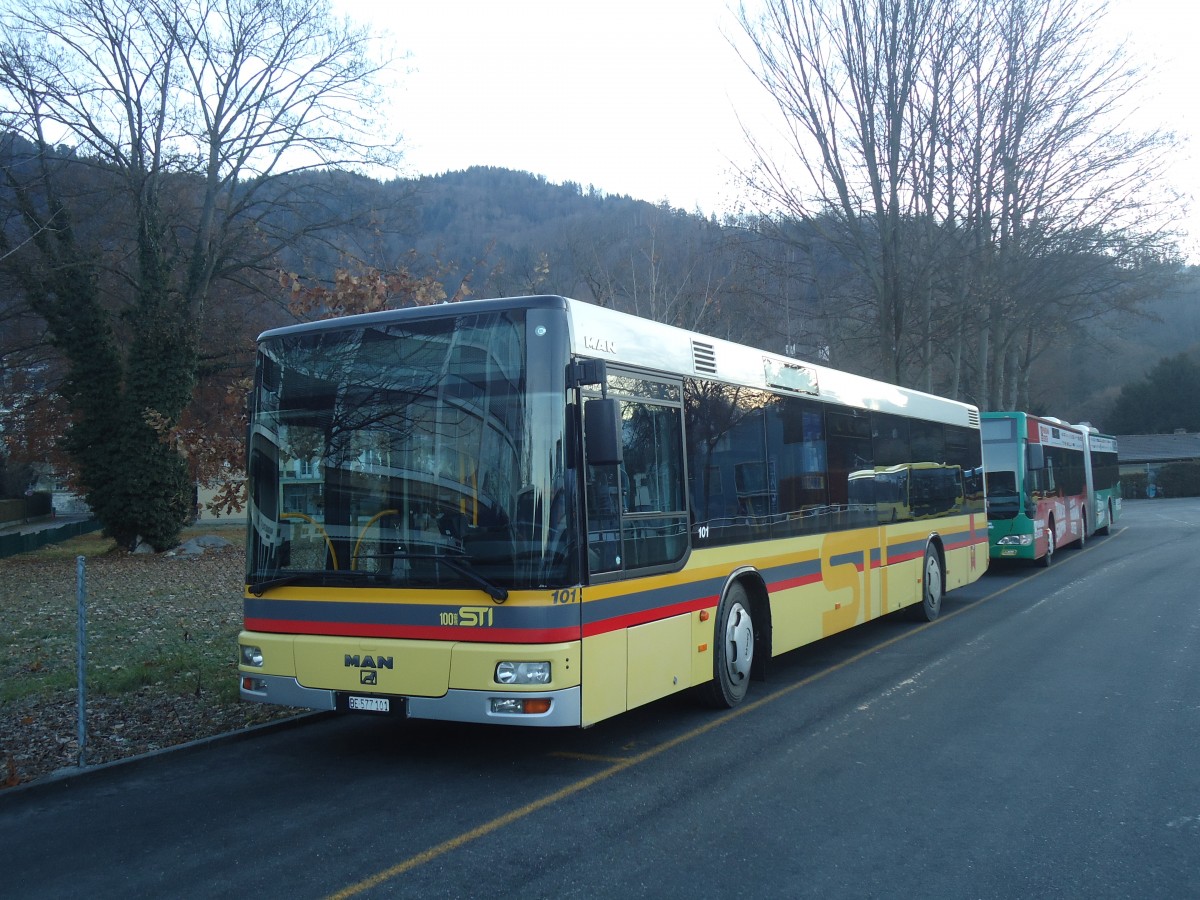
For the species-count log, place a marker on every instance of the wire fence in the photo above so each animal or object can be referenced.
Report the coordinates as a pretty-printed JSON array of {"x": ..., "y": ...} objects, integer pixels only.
[{"x": 110, "y": 655}]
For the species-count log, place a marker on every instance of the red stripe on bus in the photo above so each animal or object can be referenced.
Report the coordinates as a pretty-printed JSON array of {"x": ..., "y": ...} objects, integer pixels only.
[
  {"x": 794, "y": 582},
  {"x": 642, "y": 616}
]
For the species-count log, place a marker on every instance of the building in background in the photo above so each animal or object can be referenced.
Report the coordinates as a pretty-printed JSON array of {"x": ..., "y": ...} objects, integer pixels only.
[{"x": 1144, "y": 456}]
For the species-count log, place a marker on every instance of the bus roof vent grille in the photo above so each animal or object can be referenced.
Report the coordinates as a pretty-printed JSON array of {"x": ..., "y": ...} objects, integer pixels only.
[
  {"x": 704, "y": 358},
  {"x": 973, "y": 418}
]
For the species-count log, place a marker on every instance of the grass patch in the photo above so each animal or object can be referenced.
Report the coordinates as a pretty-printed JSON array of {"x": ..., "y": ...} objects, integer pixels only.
[
  {"x": 90, "y": 545},
  {"x": 168, "y": 623}
]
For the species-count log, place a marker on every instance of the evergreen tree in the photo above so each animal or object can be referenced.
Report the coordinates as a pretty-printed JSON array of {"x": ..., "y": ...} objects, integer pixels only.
[
  {"x": 183, "y": 117},
  {"x": 1168, "y": 398}
]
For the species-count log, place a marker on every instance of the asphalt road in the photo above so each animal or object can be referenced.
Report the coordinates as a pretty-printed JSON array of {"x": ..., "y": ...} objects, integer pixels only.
[{"x": 1039, "y": 740}]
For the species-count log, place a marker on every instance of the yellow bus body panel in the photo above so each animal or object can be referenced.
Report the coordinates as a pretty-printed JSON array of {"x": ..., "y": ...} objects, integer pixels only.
[
  {"x": 606, "y": 664},
  {"x": 409, "y": 668},
  {"x": 473, "y": 666},
  {"x": 703, "y": 633},
  {"x": 277, "y": 652},
  {"x": 413, "y": 668},
  {"x": 659, "y": 659}
]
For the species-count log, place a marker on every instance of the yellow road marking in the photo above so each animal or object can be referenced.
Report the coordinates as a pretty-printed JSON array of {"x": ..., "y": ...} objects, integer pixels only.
[
  {"x": 621, "y": 765},
  {"x": 586, "y": 757}
]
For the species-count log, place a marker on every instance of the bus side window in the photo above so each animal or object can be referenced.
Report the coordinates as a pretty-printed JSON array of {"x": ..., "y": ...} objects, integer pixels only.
[
  {"x": 655, "y": 531},
  {"x": 604, "y": 518},
  {"x": 637, "y": 512}
]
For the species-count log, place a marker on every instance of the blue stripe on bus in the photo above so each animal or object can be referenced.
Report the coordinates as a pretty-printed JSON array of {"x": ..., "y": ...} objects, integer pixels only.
[
  {"x": 794, "y": 572},
  {"x": 643, "y": 601}
]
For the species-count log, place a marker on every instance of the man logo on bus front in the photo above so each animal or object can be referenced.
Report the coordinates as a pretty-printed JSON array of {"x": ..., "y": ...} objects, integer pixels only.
[{"x": 368, "y": 676}]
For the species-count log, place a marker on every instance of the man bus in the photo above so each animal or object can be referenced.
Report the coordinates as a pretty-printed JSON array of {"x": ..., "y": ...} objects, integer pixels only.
[{"x": 539, "y": 511}]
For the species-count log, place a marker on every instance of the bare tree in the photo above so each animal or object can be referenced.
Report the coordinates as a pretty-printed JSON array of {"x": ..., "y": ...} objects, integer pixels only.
[
  {"x": 1074, "y": 201},
  {"x": 974, "y": 158},
  {"x": 182, "y": 123},
  {"x": 661, "y": 264},
  {"x": 846, "y": 78}
]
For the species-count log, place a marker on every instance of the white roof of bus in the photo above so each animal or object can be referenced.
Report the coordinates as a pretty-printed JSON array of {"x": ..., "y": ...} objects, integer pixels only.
[
  {"x": 607, "y": 334},
  {"x": 614, "y": 336}
]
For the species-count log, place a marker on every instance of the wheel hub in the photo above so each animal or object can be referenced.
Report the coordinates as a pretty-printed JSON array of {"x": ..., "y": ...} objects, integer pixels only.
[
  {"x": 739, "y": 638},
  {"x": 933, "y": 580}
]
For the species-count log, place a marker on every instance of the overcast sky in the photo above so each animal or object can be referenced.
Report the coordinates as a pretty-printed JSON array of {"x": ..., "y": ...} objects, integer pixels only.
[{"x": 643, "y": 97}]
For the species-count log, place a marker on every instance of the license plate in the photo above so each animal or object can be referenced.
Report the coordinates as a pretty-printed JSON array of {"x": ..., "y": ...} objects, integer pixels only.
[{"x": 370, "y": 704}]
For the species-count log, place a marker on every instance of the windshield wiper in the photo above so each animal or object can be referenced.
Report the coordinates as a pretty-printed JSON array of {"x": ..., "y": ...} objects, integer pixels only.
[
  {"x": 258, "y": 588},
  {"x": 494, "y": 591}
]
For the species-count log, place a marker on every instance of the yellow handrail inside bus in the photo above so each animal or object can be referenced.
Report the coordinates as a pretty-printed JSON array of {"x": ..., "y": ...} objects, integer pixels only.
[
  {"x": 311, "y": 521},
  {"x": 362, "y": 534}
]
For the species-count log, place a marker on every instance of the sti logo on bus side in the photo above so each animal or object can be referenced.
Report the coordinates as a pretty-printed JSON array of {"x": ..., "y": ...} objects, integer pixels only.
[{"x": 369, "y": 662}]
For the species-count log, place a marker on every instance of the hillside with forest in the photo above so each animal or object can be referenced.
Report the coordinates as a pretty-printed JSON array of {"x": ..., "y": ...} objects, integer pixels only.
[
  {"x": 785, "y": 288},
  {"x": 782, "y": 286}
]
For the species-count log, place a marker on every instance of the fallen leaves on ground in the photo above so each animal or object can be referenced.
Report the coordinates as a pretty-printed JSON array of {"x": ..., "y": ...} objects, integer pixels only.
[{"x": 155, "y": 599}]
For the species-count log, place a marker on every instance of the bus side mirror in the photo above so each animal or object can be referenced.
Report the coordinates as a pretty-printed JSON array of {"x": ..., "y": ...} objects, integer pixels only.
[
  {"x": 1035, "y": 457},
  {"x": 602, "y": 431}
]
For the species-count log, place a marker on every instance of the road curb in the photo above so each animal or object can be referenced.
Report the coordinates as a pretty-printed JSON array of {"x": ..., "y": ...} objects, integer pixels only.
[{"x": 66, "y": 776}]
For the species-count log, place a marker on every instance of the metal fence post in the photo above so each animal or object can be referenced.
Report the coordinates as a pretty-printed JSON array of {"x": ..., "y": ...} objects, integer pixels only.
[{"x": 81, "y": 655}]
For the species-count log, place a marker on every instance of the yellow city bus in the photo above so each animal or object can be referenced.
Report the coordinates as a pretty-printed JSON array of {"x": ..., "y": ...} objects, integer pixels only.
[
  {"x": 915, "y": 490},
  {"x": 538, "y": 511}
]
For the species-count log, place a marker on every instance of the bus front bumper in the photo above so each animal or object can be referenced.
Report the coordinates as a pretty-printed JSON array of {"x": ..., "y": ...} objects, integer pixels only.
[{"x": 483, "y": 707}]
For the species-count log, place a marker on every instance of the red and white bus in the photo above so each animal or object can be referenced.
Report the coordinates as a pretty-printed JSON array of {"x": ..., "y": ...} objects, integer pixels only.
[
  {"x": 1037, "y": 485},
  {"x": 538, "y": 511}
]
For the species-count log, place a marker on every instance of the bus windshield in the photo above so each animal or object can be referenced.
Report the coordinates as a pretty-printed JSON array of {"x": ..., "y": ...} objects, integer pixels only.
[
  {"x": 1001, "y": 464},
  {"x": 403, "y": 455}
]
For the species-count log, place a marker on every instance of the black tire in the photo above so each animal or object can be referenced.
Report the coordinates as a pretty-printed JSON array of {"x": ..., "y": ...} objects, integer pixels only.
[
  {"x": 933, "y": 587},
  {"x": 733, "y": 650},
  {"x": 1107, "y": 522},
  {"x": 1045, "y": 561},
  {"x": 1082, "y": 533}
]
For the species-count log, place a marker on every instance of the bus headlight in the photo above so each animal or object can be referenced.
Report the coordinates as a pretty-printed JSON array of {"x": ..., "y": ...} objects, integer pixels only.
[
  {"x": 523, "y": 673},
  {"x": 252, "y": 656},
  {"x": 520, "y": 706},
  {"x": 1021, "y": 540}
]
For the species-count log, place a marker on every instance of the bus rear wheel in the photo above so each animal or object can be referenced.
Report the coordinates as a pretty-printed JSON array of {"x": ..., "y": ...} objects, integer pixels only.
[{"x": 733, "y": 650}]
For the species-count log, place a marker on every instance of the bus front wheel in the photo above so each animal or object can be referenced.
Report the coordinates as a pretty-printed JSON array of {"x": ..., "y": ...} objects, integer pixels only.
[
  {"x": 733, "y": 650},
  {"x": 1045, "y": 561},
  {"x": 933, "y": 587}
]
